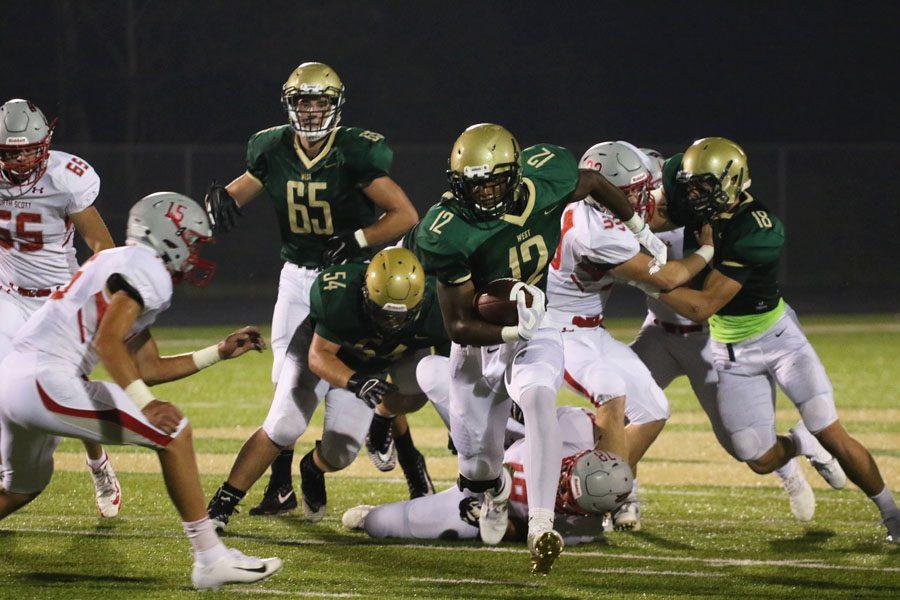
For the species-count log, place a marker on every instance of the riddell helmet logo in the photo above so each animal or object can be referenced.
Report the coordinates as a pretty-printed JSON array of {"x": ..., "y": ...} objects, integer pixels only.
[
  {"x": 576, "y": 487},
  {"x": 17, "y": 140}
]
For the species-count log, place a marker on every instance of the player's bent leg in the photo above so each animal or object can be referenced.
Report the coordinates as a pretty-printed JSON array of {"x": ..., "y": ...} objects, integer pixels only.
[
  {"x": 448, "y": 515},
  {"x": 857, "y": 462}
]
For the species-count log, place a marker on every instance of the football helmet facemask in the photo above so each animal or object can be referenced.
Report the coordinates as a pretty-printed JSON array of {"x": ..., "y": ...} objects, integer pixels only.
[
  {"x": 393, "y": 290},
  {"x": 485, "y": 171},
  {"x": 313, "y": 97},
  {"x": 713, "y": 175}
]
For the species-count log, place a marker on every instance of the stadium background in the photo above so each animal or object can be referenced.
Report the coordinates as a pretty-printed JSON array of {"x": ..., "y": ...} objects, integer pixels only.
[{"x": 163, "y": 95}]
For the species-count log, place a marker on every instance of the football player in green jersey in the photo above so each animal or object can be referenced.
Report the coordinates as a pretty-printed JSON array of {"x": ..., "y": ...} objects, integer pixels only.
[
  {"x": 756, "y": 338},
  {"x": 364, "y": 322},
  {"x": 327, "y": 184},
  {"x": 502, "y": 219}
]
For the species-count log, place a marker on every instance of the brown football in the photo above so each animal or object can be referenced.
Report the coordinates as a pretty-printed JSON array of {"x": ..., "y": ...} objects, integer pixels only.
[{"x": 496, "y": 304}]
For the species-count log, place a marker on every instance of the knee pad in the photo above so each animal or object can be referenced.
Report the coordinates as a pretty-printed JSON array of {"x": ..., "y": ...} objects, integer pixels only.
[
  {"x": 603, "y": 385},
  {"x": 478, "y": 469},
  {"x": 283, "y": 431},
  {"x": 433, "y": 377},
  {"x": 338, "y": 450},
  {"x": 750, "y": 444},
  {"x": 818, "y": 412}
]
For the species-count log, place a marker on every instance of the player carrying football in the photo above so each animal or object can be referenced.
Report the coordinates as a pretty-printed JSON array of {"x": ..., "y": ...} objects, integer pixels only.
[
  {"x": 327, "y": 183},
  {"x": 365, "y": 321},
  {"x": 756, "y": 337},
  {"x": 45, "y": 196},
  {"x": 501, "y": 219},
  {"x": 103, "y": 315}
]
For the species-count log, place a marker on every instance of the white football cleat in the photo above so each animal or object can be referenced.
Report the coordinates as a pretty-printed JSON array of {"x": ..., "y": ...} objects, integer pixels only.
[
  {"x": 355, "y": 518},
  {"x": 545, "y": 545},
  {"x": 628, "y": 517},
  {"x": 800, "y": 495},
  {"x": 234, "y": 567},
  {"x": 893, "y": 528},
  {"x": 493, "y": 518},
  {"x": 823, "y": 462},
  {"x": 107, "y": 491}
]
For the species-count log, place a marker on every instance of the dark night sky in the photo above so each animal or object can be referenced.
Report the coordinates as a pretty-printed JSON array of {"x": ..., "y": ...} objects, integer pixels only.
[{"x": 211, "y": 72}]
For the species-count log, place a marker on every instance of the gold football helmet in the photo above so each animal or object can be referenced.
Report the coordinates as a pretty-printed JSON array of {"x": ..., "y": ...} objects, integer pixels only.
[
  {"x": 713, "y": 174},
  {"x": 313, "y": 96},
  {"x": 395, "y": 286},
  {"x": 486, "y": 171}
]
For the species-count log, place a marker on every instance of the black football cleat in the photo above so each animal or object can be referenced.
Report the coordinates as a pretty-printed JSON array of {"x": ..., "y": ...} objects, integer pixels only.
[
  {"x": 417, "y": 478},
  {"x": 312, "y": 487},
  {"x": 276, "y": 501}
]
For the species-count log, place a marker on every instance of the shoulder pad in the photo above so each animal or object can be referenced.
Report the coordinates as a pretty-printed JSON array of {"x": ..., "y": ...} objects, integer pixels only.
[
  {"x": 266, "y": 138},
  {"x": 72, "y": 173}
]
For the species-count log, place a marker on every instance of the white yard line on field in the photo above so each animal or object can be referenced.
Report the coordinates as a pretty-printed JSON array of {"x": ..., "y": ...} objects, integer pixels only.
[
  {"x": 475, "y": 581},
  {"x": 296, "y": 594},
  {"x": 649, "y": 572}
]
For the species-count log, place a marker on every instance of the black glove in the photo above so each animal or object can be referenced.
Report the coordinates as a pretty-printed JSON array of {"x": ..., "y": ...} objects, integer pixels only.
[
  {"x": 340, "y": 248},
  {"x": 370, "y": 389},
  {"x": 222, "y": 209}
]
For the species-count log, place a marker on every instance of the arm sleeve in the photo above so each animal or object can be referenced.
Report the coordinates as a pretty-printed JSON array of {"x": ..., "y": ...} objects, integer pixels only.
[
  {"x": 257, "y": 164},
  {"x": 146, "y": 277},
  {"x": 370, "y": 160},
  {"x": 559, "y": 173},
  {"x": 84, "y": 188},
  {"x": 608, "y": 245},
  {"x": 748, "y": 250},
  {"x": 317, "y": 313}
]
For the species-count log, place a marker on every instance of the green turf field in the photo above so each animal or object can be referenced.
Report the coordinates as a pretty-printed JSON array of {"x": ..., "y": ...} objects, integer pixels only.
[{"x": 710, "y": 527}]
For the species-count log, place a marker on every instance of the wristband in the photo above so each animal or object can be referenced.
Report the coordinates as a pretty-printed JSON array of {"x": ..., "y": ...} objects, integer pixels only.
[
  {"x": 206, "y": 357},
  {"x": 705, "y": 252},
  {"x": 139, "y": 393},
  {"x": 510, "y": 333},
  {"x": 360, "y": 238},
  {"x": 635, "y": 223}
]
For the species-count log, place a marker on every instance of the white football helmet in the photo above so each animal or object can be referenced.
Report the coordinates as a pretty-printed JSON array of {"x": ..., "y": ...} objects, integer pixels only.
[
  {"x": 627, "y": 168},
  {"x": 593, "y": 483},
  {"x": 175, "y": 227},
  {"x": 24, "y": 145}
]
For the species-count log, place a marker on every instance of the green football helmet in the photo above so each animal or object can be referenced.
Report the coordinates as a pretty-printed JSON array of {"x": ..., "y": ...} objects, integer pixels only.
[
  {"x": 395, "y": 286},
  {"x": 313, "y": 81},
  {"x": 713, "y": 175},
  {"x": 486, "y": 171}
]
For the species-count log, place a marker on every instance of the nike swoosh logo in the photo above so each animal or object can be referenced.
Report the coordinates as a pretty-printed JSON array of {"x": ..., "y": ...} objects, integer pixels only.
[
  {"x": 548, "y": 211},
  {"x": 281, "y": 498},
  {"x": 490, "y": 351},
  {"x": 780, "y": 332},
  {"x": 261, "y": 569}
]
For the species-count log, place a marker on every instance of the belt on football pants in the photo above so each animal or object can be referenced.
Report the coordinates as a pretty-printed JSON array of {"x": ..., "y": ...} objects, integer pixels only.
[
  {"x": 588, "y": 322},
  {"x": 677, "y": 329},
  {"x": 29, "y": 293}
]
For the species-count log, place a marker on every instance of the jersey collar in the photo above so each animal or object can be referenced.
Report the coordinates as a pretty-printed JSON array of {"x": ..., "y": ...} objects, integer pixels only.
[
  {"x": 520, "y": 219},
  {"x": 309, "y": 163}
]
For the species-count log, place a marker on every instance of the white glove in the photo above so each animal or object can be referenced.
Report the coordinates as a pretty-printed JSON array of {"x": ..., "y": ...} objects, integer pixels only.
[
  {"x": 653, "y": 244},
  {"x": 530, "y": 318}
]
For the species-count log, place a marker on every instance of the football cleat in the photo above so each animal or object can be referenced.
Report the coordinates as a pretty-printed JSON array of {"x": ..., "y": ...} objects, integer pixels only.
[
  {"x": 892, "y": 523},
  {"x": 383, "y": 453},
  {"x": 312, "y": 488},
  {"x": 493, "y": 518},
  {"x": 355, "y": 518},
  {"x": 417, "y": 478},
  {"x": 276, "y": 501},
  {"x": 234, "y": 567},
  {"x": 108, "y": 493},
  {"x": 800, "y": 495},
  {"x": 628, "y": 517},
  {"x": 823, "y": 462},
  {"x": 221, "y": 507},
  {"x": 545, "y": 545}
]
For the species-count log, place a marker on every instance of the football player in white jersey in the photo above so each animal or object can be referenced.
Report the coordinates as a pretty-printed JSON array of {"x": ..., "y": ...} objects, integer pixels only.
[
  {"x": 596, "y": 250},
  {"x": 453, "y": 513},
  {"x": 671, "y": 346},
  {"x": 45, "y": 196},
  {"x": 103, "y": 315}
]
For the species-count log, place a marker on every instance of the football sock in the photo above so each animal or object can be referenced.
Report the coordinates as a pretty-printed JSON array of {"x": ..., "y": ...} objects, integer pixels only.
[
  {"x": 379, "y": 430},
  {"x": 406, "y": 449},
  {"x": 207, "y": 546},
  {"x": 539, "y": 516},
  {"x": 281, "y": 468},
  {"x": 633, "y": 496},
  {"x": 309, "y": 467},
  {"x": 543, "y": 446},
  {"x": 96, "y": 464},
  {"x": 884, "y": 500},
  {"x": 788, "y": 469}
]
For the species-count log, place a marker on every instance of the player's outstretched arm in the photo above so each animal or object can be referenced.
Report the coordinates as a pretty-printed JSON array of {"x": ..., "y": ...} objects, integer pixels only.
[
  {"x": 223, "y": 203},
  {"x": 90, "y": 226},
  {"x": 156, "y": 369},
  {"x": 699, "y": 305},
  {"x": 673, "y": 274}
]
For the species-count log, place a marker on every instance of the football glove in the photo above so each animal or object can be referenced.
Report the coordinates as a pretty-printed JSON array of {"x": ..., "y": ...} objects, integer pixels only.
[
  {"x": 645, "y": 238},
  {"x": 339, "y": 249},
  {"x": 371, "y": 390},
  {"x": 530, "y": 317},
  {"x": 221, "y": 208}
]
